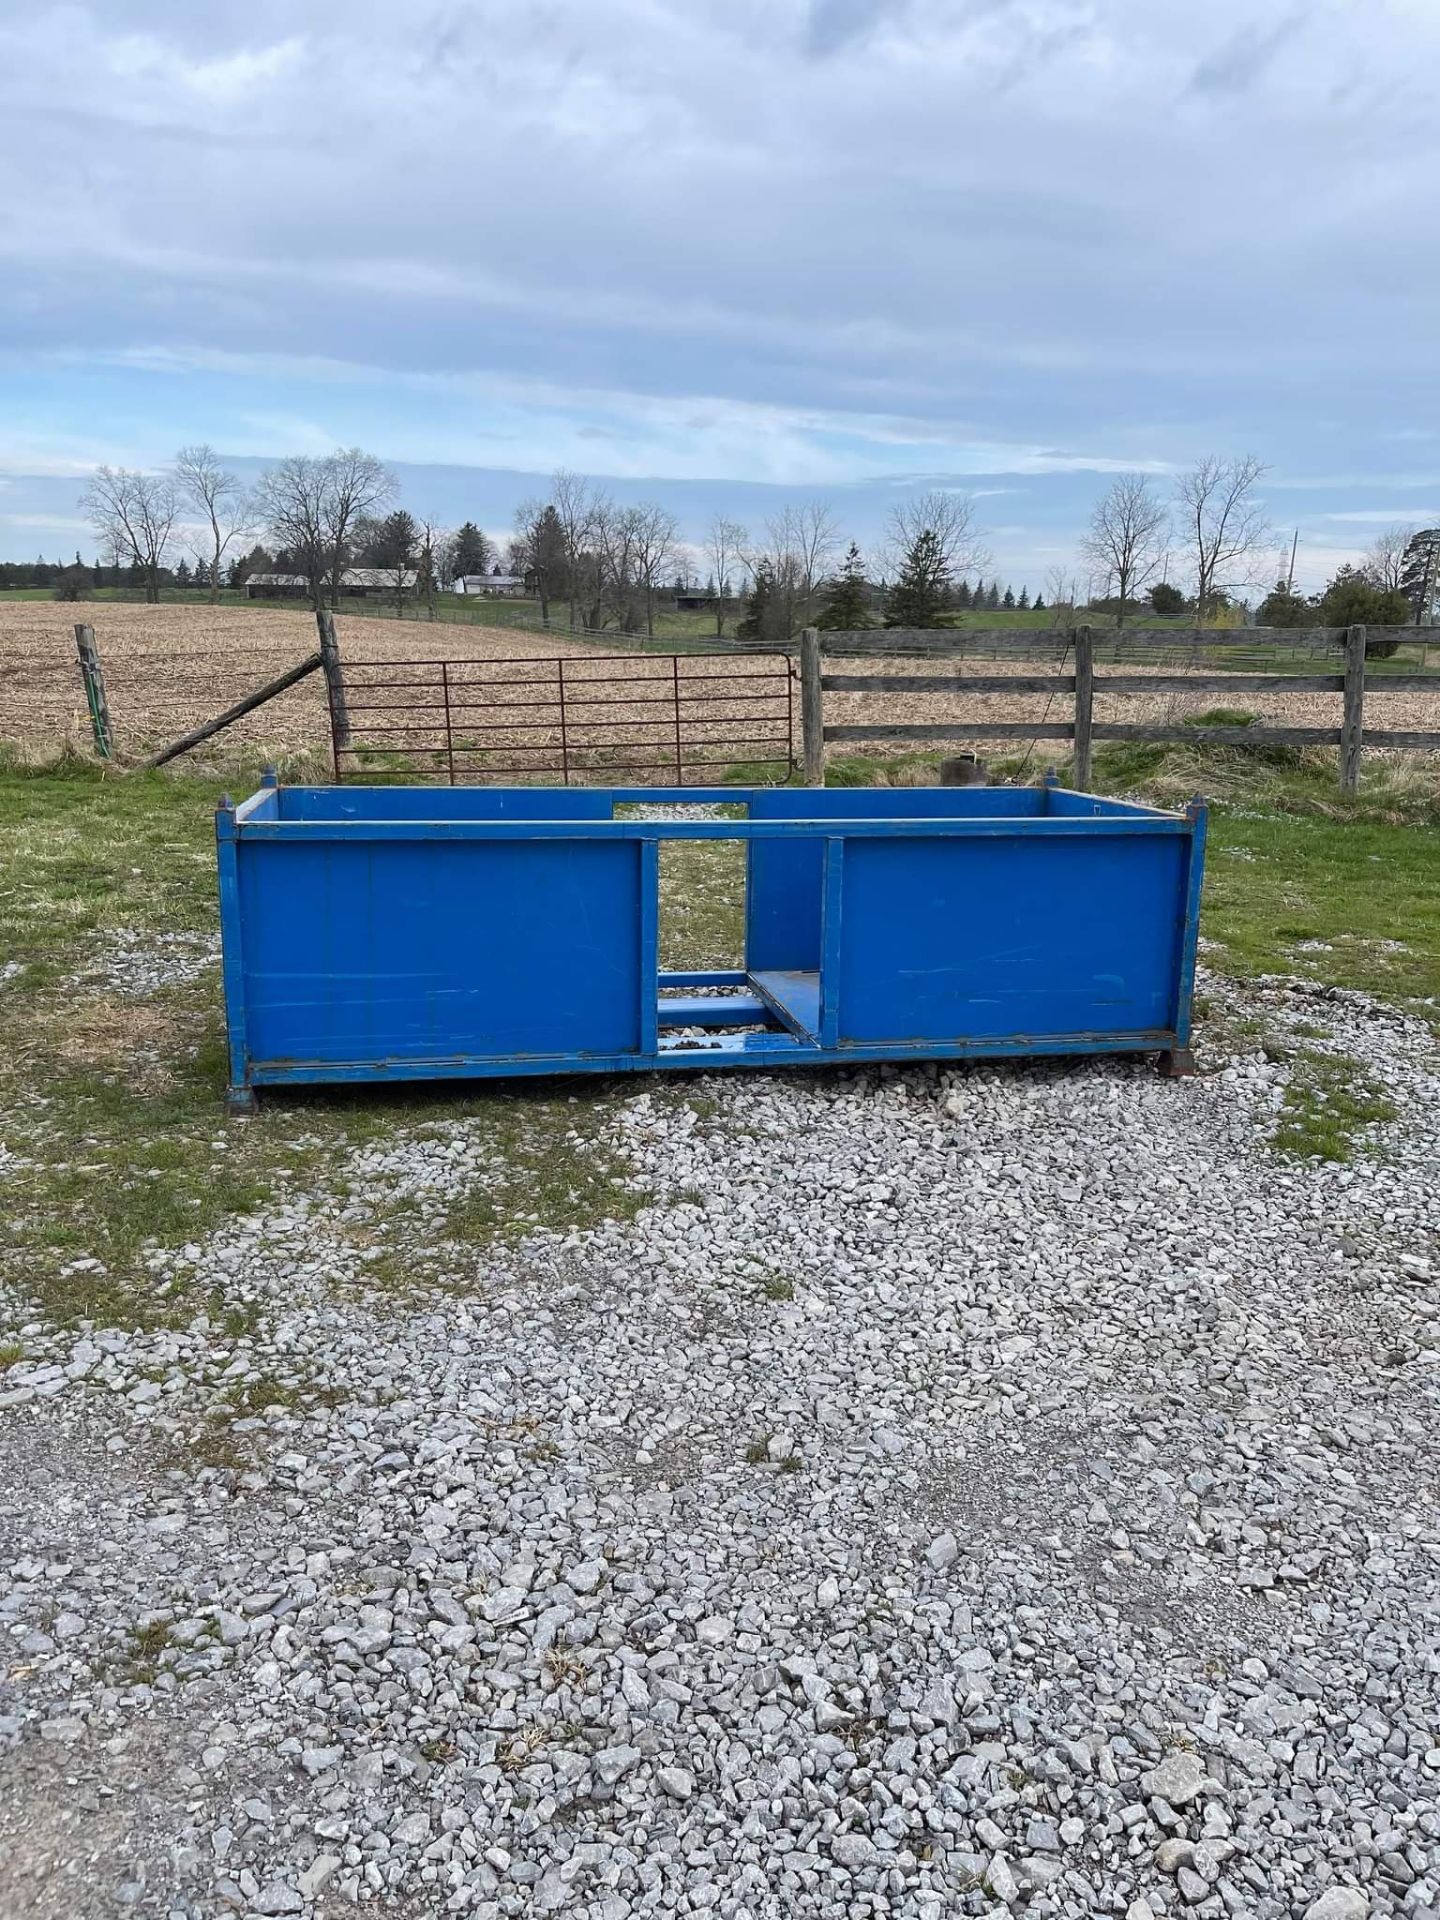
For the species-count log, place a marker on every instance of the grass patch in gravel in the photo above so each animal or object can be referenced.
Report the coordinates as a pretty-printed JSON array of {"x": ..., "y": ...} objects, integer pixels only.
[
  {"x": 557, "y": 1172},
  {"x": 1327, "y": 1106}
]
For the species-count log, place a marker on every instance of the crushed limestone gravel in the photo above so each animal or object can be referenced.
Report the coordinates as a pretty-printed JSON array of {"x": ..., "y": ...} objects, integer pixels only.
[{"x": 964, "y": 1491}]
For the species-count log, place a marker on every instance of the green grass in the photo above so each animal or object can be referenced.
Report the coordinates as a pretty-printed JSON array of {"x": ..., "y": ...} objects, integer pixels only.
[
  {"x": 552, "y": 1168},
  {"x": 1327, "y": 1105},
  {"x": 1220, "y": 717},
  {"x": 1292, "y": 861}
]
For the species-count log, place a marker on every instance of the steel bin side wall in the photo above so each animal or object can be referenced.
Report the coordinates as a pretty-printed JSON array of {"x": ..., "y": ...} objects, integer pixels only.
[
  {"x": 427, "y": 949},
  {"x": 995, "y": 939}
]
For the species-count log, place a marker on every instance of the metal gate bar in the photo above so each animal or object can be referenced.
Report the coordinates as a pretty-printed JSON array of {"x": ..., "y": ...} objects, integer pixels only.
[{"x": 579, "y": 711}]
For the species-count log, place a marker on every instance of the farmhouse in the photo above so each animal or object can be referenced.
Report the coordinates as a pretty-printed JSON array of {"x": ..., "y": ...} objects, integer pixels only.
[
  {"x": 358, "y": 581},
  {"x": 489, "y": 583}
]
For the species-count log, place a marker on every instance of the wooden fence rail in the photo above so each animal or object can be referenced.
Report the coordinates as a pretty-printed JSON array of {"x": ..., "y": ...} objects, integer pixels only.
[{"x": 1082, "y": 729}]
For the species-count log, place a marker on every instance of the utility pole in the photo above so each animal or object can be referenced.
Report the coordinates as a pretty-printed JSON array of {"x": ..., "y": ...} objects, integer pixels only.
[{"x": 1290, "y": 577}]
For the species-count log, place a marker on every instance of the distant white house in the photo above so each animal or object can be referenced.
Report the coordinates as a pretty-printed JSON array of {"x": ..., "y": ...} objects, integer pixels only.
[{"x": 491, "y": 583}]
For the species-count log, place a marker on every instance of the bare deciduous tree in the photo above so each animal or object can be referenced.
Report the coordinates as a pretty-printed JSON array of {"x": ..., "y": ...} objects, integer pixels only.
[
  {"x": 436, "y": 562},
  {"x": 1385, "y": 558},
  {"x": 808, "y": 533},
  {"x": 310, "y": 506},
  {"x": 290, "y": 502},
  {"x": 220, "y": 497},
  {"x": 951, "y": 518},
  {"x": 134, "y": 514},
  {"x": 356, "y": 483},
  {"x": 576, "y": 507},
  {"x": 1224, "y": 525},
  {"x": 725, "y": 545},
  {"x": 655, "y": 531},
  {"x": 1061, "y": 589},
  {"x": 617, "y": 537},
  {"x": 1126, "y": 541}
]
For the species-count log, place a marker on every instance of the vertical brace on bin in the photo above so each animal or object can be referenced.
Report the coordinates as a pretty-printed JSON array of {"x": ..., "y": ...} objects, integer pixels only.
[
  {"x": 240, "y": 1094},
  {"x": 649, "y": 880},
  {"x": 830, "y": 930},
  {"x": 449, "y": 728}
]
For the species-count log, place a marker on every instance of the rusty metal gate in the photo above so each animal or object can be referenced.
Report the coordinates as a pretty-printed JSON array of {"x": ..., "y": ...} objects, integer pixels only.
[{"x": 675, "y": 719}]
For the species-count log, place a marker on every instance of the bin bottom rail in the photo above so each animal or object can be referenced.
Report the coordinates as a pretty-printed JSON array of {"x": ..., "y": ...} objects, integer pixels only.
[{"x": 718, "y": 1019}]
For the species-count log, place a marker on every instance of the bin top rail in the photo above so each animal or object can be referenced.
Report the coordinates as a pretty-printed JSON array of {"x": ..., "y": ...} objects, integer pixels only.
[{"x": 626, "y": 813}]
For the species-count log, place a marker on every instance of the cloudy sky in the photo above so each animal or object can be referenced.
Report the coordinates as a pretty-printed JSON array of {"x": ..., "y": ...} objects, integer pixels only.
[{"x": 729, "y": 252}]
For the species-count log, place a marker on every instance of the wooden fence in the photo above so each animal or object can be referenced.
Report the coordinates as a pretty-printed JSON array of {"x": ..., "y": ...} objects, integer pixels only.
[{"x": 1081, "y": 728}]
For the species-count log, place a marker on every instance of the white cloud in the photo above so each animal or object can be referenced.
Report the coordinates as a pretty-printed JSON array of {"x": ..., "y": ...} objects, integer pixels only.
[
  {"x": 1387, "y": 516},
  {"x": 801, "y": 240}
]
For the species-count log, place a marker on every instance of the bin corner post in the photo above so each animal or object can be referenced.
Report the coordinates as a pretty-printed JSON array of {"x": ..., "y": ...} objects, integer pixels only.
[
  {"x": 812, "y": 707},
  {"x": 1352, "y": 727},
  {"x": 269, "y": 777},
  {"x": 1178, "y": 1062},
  {"x": 1084, "y": 707},
  {"x": 93, "y": 677},
  {"x": 239, "y": 1094},
  {"x": 334, "y": 682}
]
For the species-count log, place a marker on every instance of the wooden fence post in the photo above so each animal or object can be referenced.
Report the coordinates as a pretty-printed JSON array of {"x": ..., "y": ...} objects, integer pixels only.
[
  {"x": 1353, "y": 724},
  {"x": 93, "y": 676},
  {"x": 1084, "y": 708},
  {"x": 334, "y": 677},
  {"x": 812, "y": 708}
]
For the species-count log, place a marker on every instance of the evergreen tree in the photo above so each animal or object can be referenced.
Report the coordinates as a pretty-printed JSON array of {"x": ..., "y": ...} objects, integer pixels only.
[
  {"x": 1420, "y": 574},
  {"x": 182, "y": 573},
  {"x": 757, "y": 624},
  {"x": 1039, "y": 603},
  {"x": 1024, "y": 601},
  {"x": 922, "y": 591},
  {"x": 992, "y": 598},
  {"x": 544, "y": 559},
  {"x": 1008, "y": 603},
  {"x": 1283, "y": 607},
  {"x": 473, "y": 552},
  {"x": 962, "y": 594},
  {"x": 1352, "y": 599},
  {"x": 847, "y": 597},
  {"x": 978, "y": 597}
]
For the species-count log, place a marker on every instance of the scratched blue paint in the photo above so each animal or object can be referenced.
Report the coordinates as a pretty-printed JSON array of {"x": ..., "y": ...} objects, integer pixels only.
[{"x": 397, "y": 933}]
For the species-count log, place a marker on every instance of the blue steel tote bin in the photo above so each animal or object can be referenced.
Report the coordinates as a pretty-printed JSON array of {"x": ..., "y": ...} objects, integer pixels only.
[{"x": 414, "y": 933}]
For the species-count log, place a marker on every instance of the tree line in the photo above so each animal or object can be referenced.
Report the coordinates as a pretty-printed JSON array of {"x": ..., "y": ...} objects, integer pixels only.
[
  {"x": 1218, "y": 524},
  {"x": 609, "y": 565}
]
